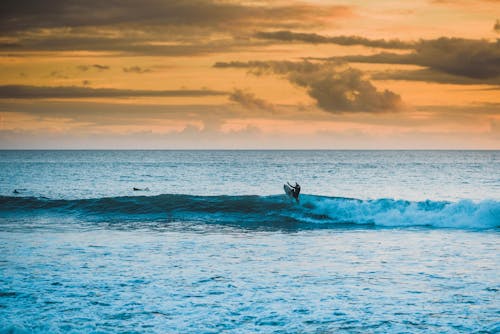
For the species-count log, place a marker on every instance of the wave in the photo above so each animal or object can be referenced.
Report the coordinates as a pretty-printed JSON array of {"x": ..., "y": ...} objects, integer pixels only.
[{"x": 271, "y": 211}]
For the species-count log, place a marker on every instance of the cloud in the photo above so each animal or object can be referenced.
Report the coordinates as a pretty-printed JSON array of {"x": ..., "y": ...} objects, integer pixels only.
[
  {"x": 289, "y": 36},
  {"x": 70, "y": 123},
  {"x": 470, "y": 111},
  {"x": 31, "y": 14},
  {"x": 96, "y": 124},
  {"x": 136, "y": 69},
  {"x": 112, "y": 113},
  {"x": 58, "y": 75},
  {"x": 428, "y": 75},
  {"x": 466, "y": 57},
  {"x": 455, "y": 60},
  {"x": 496, "y": 27},
  {"x": 335, "y": 90},
  {"x": 42, "y": 92},
  {"x": 191, "y": 137},
  {"x": 196, "y": 136},
  {"x": 249, "y": 100},
  {"x": 258, "y": 67},
  {"x": 100, "y": 67},
  {"x": 150, "y": 45},
  {"x": 85, "y": 68},
  {"x": 470, "y": 58},
  {"x": 347, "y": 90},
  {"x": 446, "y": 60},
  {"x": 150, "y": 26}
]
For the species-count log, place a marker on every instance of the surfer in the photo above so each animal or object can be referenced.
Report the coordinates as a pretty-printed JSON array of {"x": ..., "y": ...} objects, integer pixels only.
[{"x": 295, "y": 191}]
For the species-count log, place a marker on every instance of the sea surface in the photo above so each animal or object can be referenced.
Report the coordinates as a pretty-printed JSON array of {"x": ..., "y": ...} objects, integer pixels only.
[{"x": 381, "y": 242}]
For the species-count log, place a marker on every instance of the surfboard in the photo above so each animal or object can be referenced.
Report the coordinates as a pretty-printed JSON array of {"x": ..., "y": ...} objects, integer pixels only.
[{"x": 288, "y": 190}]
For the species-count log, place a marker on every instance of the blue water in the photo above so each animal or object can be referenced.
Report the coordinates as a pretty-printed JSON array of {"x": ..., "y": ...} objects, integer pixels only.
[{"x": 381, "y": 242}]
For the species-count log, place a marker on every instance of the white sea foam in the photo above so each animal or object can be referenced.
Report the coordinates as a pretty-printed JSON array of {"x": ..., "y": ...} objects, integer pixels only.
[{"x": 388, "y": 212}]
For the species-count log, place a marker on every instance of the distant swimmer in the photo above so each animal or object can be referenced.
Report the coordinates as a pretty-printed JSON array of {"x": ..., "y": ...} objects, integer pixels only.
[
  {"x": 295, "y": 191},
  {"x": 140, "y": 189}
]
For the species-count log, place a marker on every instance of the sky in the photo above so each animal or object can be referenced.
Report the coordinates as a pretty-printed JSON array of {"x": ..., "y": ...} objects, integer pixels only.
[{"x": 256, "y": 74}]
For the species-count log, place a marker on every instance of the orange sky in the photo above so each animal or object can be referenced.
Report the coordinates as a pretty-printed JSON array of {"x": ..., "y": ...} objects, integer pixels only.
[{"x": 250, "y": 74}]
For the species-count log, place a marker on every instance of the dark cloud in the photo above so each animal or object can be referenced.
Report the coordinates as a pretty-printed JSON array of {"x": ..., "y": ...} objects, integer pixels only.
[
  {"x": 428, "y": 75},
  {"x": 379, "y": 58},
  {"x": 131, "y": 45},
  {"x": 450, "y": 60},
  {"x": 100, "y": 67},
  {"x": 143, "y": 26},
  {"x": 338, "y": 91},
  {"x": 136, "y": 69},
  {"x": 289, "y": 36},
  {"x": 476, "y": 59},
  {"x": 41, "y": 92},
  {"x": 496, "y": 27},
  {"x": 335, "y": 90},
  {"x": 31, "y": 14},
  {"x": 466, "y": 57},
  {"x": 249, "y": 100},
  {"x": 269, "y": 67}
]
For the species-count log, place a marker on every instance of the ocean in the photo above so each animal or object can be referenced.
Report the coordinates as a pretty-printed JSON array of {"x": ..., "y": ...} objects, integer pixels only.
[{"x": 381, "y": 242}]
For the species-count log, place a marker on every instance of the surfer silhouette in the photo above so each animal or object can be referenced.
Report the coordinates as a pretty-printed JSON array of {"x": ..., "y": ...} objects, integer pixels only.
[{"x": 295, "y": 190}]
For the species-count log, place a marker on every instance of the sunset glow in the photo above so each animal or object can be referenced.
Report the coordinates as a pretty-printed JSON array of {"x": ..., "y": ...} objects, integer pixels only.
[{"x": 250, "y": 74}]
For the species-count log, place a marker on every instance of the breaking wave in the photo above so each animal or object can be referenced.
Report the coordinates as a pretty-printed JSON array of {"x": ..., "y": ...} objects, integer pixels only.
[{"x": 271, "y": 211}]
